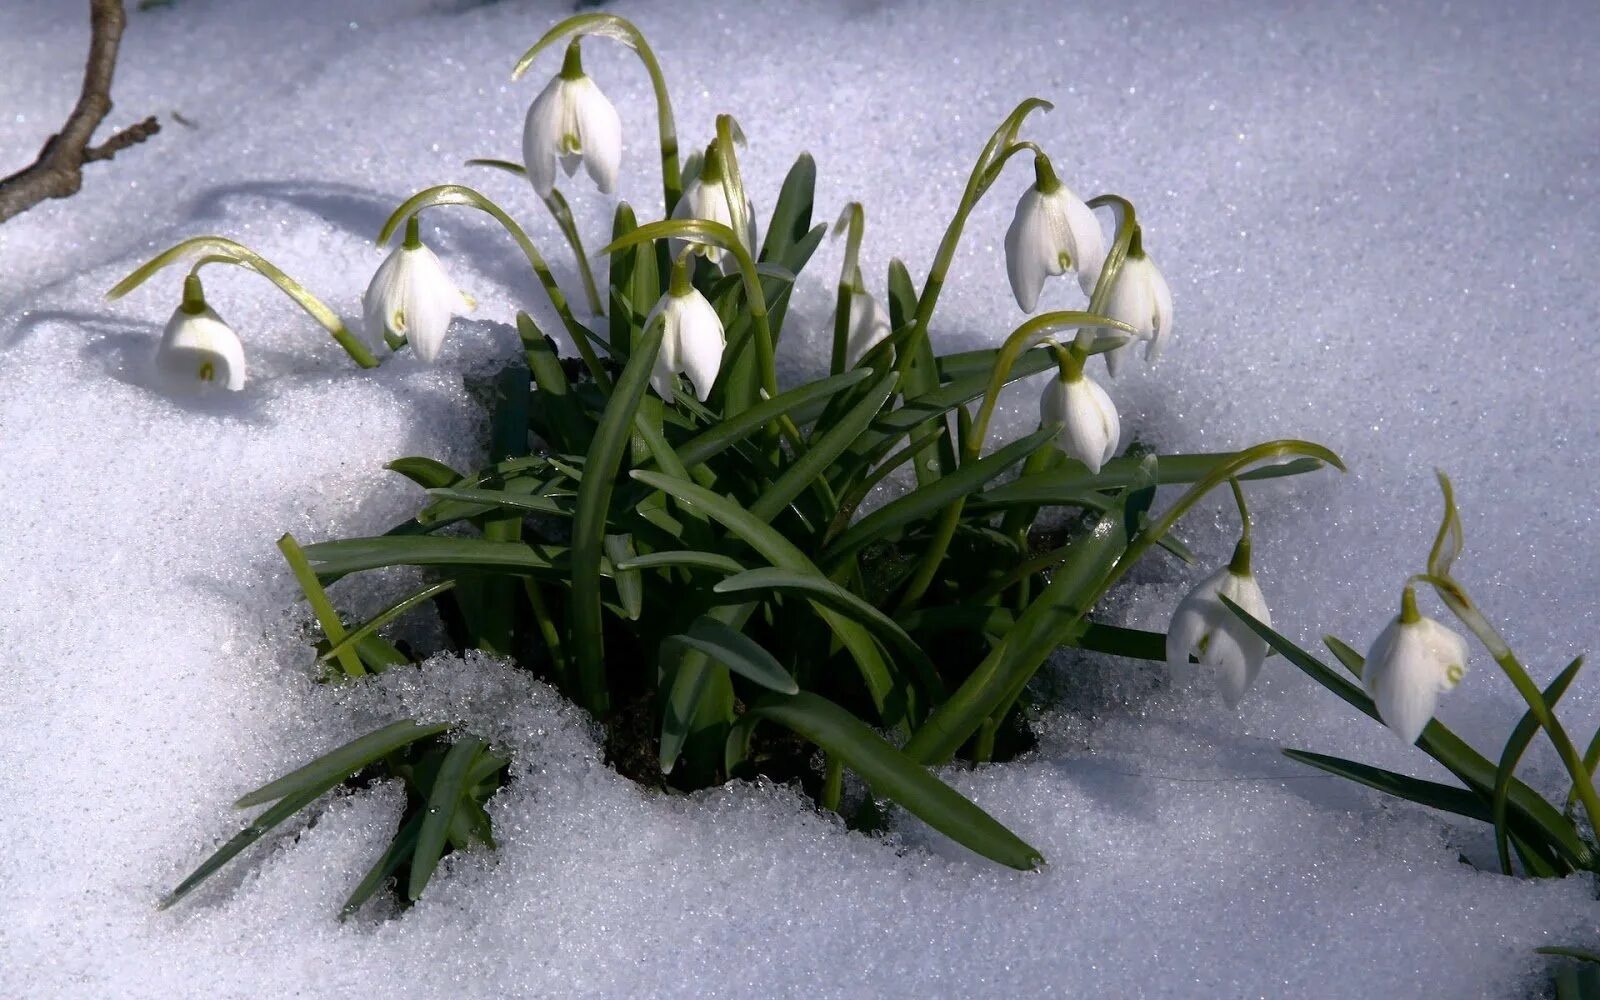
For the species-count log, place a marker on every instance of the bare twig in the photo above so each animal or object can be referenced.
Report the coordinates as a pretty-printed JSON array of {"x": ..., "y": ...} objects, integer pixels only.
[{"x": 58, "y": 172}]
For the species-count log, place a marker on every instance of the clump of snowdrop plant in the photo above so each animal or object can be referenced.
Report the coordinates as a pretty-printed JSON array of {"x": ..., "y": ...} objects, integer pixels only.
[{"x": 686, "y": 559}]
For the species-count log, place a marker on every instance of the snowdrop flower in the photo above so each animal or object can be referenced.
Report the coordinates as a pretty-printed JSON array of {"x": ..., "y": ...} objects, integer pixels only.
[
  {"x": 1141, "y": 299},
  {"x": 198, "y": 350},
  {"x": 691, "y": 337},
  {"x": 410, "y": 296},
  {"x": 1053, "y": 232},
  {"x": 1203, "y": 625},
  {"x": 868, "y": 325},
  {"x": 571, "y": 120},
  {"x": 1089, "y": 423},
  {"x": 1410, "y": 664},
  {"x": 706, "y": 198}
]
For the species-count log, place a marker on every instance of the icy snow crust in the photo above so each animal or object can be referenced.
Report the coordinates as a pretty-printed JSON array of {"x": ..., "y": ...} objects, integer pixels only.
[{"x": 1379, "y": 224}]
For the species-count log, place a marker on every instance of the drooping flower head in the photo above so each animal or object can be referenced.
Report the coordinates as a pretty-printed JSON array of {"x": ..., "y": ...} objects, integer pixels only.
[
  {"x": 706, "y": 197},
  {"x": 1090, "y": 426},
  {"x": 1053, "y": 232},
  {"x": 1224, "y": 644},
  {"x": 198, "y": 351},
  {"x": 868, "y": 323},
  {"x": 692, "y": 338},
  {"x": 1140, "y": 298},
  {"x": 571, "y": 121},
  {"x": 411, "y": 296},
  {"x": 1413, "y": 661}
]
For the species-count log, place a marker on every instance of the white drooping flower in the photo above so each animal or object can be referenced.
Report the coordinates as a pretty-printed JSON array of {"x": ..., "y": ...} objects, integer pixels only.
[
  {"x": 1053, "y": 232},
  {"x": 1090, "y": 427},
  {"x": 868, "y": 326},
  {"x": 1409, "y": 665},
  {"x": 1141, "y": 299},
  {"x": 692, "y": 339},
  {"x": 705, "y": 197},
  {"x": 198, "y": 350},
  {"x": 1203, "y": 625},
  {"x": 571, "y": 121},
  {"x": 411, "y": 296}
]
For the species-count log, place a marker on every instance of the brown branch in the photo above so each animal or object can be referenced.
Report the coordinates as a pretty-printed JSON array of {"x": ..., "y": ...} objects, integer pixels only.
[{"x": 58, "y": 172}]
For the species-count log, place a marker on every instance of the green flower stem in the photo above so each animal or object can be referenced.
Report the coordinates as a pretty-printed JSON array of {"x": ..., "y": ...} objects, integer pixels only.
[
  {"x": 226, "y": 251},
  {"x": 624, "y": 31},
  {"x": 456, "y": 194},
  {"x": 557, "y": 205},
  {"x": 1127, "y": 232},
  {"x": 1022, "y": 339},
  {"x": 1240, "y": 564},
  {"x": 832, "y": 783},
  {"x": 1001, "y": 146},
  {"x": 1456, "y": 599},
  {"x": 852, "y": 222}
]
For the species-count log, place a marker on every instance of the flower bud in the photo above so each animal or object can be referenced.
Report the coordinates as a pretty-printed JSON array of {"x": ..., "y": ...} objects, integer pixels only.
[
  {"x": 198, "y": 350},
  {"x": 1090, "y": 427}
]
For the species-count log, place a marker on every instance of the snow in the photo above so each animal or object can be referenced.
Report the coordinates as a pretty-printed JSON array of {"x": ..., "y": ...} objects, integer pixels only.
[{"x": 1379, "y": 222}]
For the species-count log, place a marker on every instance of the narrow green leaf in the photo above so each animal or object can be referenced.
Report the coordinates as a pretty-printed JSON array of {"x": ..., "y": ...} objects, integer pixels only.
[
  {"x": 896, "y": 776},
  {"x": 258, "y": 828},
  {"x": 810, "y": 465},
  {"x": 725, "y": 434},
  {"x": 1067, "y": 485},
  {"x": 782, "y": 553},
  {"x": 332, "y": 560},
  {"x": 565, "y": 424},
  {"x": 448, "y": 787},
  {"x": 400, "y": 848},
  {"x": 885, "y": 629},
  {"x": 327, "y": 617},
  {"x": 630, "y": 589},
  {"x": 557, "y": 504},
  {"x": 1581, "y": 954},
  {"x": 388, "y": 615},
  {"x": 791, "y": 214},
  {"x": 685, "y": 686},
  {"x": 332, "y": 768},
  {"x": 673, "y": 559},
  {"x": 734, "y": 650},
  {"x": 425, "y": 472},
  {"x": 928, "y": 500},
  {"x": 1460, "y": 801},
  {"x": 589, "y": 523},
  {"x": 1527, "y": 727}
]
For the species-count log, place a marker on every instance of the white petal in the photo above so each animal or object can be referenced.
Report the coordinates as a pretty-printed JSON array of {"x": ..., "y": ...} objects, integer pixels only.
[
  {"x": 199, "y": 350},
  {"x": 1116, "y": 357},
  {"x": 378, "y": 305},
  {"x": 1053, "y": 402},
  {"x": 1448, "y": 651},
  {"x": 1403, "y": 680},
  {"x": 1092, "y": 428},
  {"x": 666, "y": 363},
  {"x": 541, "y": 137},
  {"x": 1231, "y": 662},
  {"x": 1029, "y": 255},
  {"x": 1088, "y": 239},
  {"x": 700, "y": 342},
  {"x": 1196, "y": 616},
  {"x": 600, "y": 132},
  {"x": 1161, "y": 320},
  {"x": 868, "y": 325}
]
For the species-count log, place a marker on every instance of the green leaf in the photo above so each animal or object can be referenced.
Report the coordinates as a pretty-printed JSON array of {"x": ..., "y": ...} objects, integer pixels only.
[
  {"x": 449, "y": 785},
  {"x": 934, "y": 497},
  {"x": 386, "y": 616},
  {"x": 825, "y": 591},
  {"x": 791, "y": 215},
  {"x": 332, "y": 560},
  {"x": 1460, "y": 801},
  {"x": 675, "y": 558},
  {"x": 258, "y": 828},
  {"x": 400, "y": 848},
  {"x": 782, "y": 553},
  {"x": 630, "y": 590},
  {"x": 1527, "y": 727},
  {"x": 425, "y": 472},
  {"x": 332, "y": 768},
  {"x": 896, "y": 776},
  {"x": 721, "y": 436},
  {"x": 688, "y": 684},
  {"x": 1118, "y": 641},
  {"x": 327, "y": 617},
  {"x": 558, "y": 505},
  {"x": 734, "y": 650},
  {"x": 589, "y": 523},
  {"x": 1565, "y": 951},
  {"x": 565, "y": 424},
  {"x": 810, "y": 465},
  {"x": 1068, "y": 485}
]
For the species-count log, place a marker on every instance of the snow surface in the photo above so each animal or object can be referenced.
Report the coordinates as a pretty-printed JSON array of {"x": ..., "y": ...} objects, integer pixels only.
[{"x": 1379, "y": 222}]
